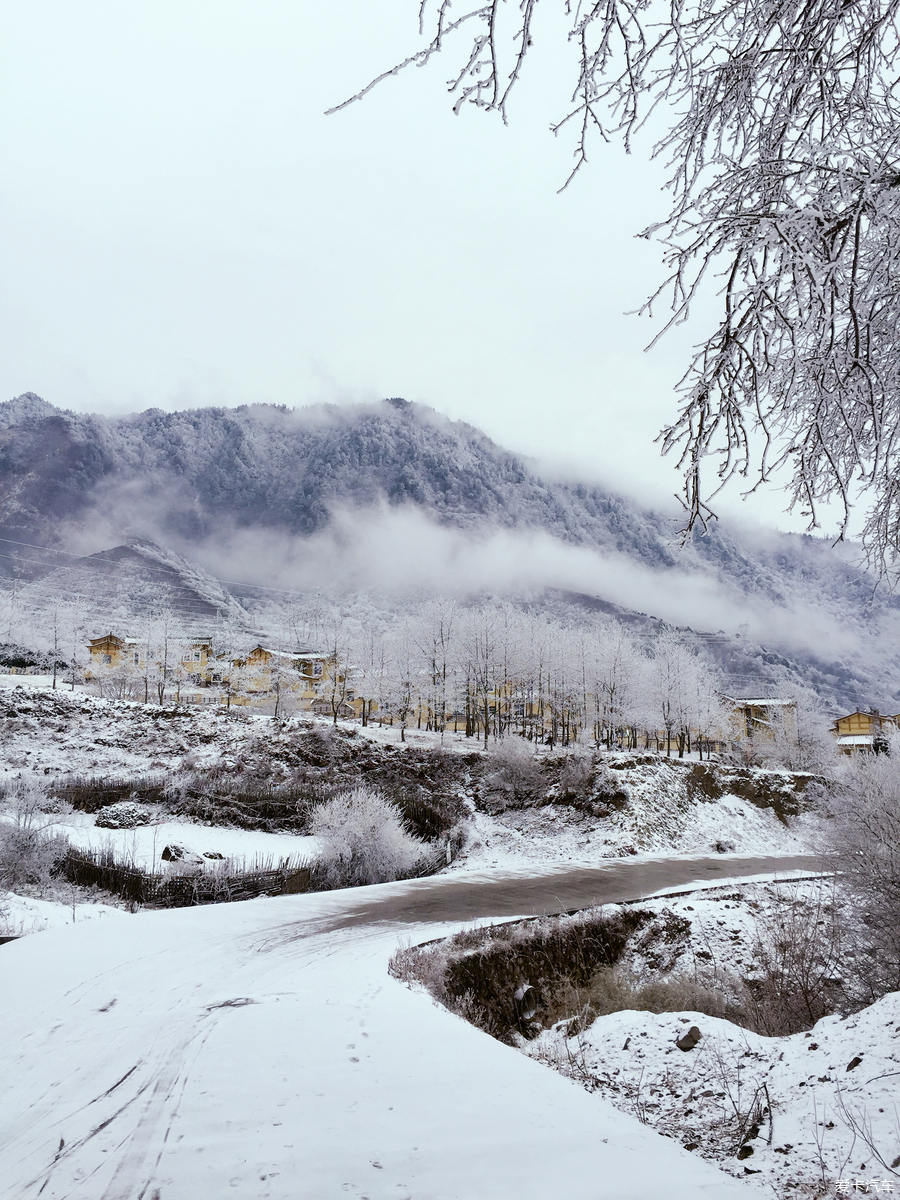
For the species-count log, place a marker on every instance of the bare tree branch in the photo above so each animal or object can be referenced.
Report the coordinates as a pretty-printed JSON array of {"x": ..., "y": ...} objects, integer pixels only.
[{"x": 784, "y": 167}]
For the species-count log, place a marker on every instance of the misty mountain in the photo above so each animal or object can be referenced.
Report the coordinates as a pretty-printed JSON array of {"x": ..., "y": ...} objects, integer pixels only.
[
  {"x": 131, "y": 583},
  {"x": 183, "y": 475},
  {"x": 392, "y": 496},
  {"x": 182, "y": 478}
]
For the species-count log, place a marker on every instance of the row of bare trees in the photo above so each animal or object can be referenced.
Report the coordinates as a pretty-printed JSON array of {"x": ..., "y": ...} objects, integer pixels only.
[
  {"x": 489, "y": 669},
  {"x": 492, "y": 670}
]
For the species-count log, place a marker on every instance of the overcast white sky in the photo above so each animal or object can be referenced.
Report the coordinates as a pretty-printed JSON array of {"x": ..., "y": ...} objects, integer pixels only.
[{"x": 183, "y": 226}]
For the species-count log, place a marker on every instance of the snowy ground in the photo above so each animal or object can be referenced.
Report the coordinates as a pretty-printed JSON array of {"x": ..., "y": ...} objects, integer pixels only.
[
  {"x": 61, "y": 732},
  {"x": 144, "y": 845},
  {"x": 831, "y": 1093},
  {"x": 31, "y": 681},
  {"x": 21, "y": 915},
  {"x": 261, "y": 1050},
  {"x": 49, "y": 735}
]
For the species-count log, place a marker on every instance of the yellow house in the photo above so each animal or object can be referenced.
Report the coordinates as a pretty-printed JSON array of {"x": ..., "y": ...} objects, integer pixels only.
[
  {"x": 197, "y": 658},
  {"x": 303, "y": 675},
  {"x": 186, "y": 674},
  {"x": 862, "y": 732},
  {"x": 111, "y": 651},
  {"x": 762, "y": 718}
]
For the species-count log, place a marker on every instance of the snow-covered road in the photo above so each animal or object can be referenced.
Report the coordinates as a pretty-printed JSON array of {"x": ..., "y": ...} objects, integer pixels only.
[{"x": 261, "y": 1050}]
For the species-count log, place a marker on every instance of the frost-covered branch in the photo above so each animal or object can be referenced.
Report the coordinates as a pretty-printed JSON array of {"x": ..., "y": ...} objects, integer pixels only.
[{"x": 782, "y": 150}]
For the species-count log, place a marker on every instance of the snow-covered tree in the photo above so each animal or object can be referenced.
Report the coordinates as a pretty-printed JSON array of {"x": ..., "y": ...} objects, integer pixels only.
[
  {"x": 679, "y": 693},
  {"x": 401, "y": 679},
  {"x": 433, "y": 632},
  {"x": 618, "y": 667},
  {"x": 488, "y": 656},
  {"x": 337, "y": 684},
  {"x": 866, "y": 836}
]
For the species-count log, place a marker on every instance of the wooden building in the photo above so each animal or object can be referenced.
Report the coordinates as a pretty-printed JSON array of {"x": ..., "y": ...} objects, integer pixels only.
[
  {"x": 762, "y": 719},
  {"x": 863, "y": 732}
]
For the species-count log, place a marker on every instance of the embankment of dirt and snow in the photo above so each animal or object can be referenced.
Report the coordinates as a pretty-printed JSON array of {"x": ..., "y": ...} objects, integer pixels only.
[
  {"x": 796, "y": 1113},
  {"x": 241, "y": 786},
  {"x": 625, "y": 804},
  {"x": 799, "y": 1113}
]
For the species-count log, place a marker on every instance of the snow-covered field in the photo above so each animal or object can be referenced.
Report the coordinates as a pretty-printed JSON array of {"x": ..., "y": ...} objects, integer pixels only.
[
  {"x": 61, "y": 732},
  {"x": 144, "y": 845},
  {"x": 52, "y": 735},
  {"x": 32, "y": 681},
  {"x": 261, "y": 1050},
  {"x": 21, "y": 915}
]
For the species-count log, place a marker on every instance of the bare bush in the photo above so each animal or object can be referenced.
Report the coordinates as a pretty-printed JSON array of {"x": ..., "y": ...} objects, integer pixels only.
[
  {"x": 364, "y": 840},
  {"x": 802, "y": 953},
  {"x": 576, "y": 778}
]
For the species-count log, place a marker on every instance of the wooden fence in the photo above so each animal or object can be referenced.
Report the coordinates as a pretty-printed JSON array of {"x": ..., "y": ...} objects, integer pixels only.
[{"x": 216, "y": 886}]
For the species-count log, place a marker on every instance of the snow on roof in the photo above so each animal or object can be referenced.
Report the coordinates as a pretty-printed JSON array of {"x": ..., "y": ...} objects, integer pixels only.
[
  {"x": 293, "y": 655},
  {"x": 771, "y": 700},
  {"x": 855, "y": 739},
  {"x": 867, "y": 712}
]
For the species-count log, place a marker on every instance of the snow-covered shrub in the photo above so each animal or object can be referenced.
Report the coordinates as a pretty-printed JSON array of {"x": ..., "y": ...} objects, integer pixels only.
[
  {"x": 576, "y": 777},
  {"x": 514, "y": 774},
  {"x": 31, "y": 846},
  {"x": 800, "y": 961},
  {"x": 364, "y": 840},
  {"x": 127, "y": 814},
  {"x": 866, "y": 837}
]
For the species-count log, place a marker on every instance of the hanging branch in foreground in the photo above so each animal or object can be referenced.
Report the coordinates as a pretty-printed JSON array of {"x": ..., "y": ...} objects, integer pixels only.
[{"x": 785, "y": 171}]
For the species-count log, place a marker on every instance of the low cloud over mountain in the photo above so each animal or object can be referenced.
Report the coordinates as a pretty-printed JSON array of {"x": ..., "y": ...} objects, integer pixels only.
[{"x": 393, "y": 497}]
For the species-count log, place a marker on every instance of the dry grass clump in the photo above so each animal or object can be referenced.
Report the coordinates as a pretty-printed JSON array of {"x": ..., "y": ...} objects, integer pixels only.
[
  {"x": 476, "y": 973},
  {"x": 615, "y": 990}
]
